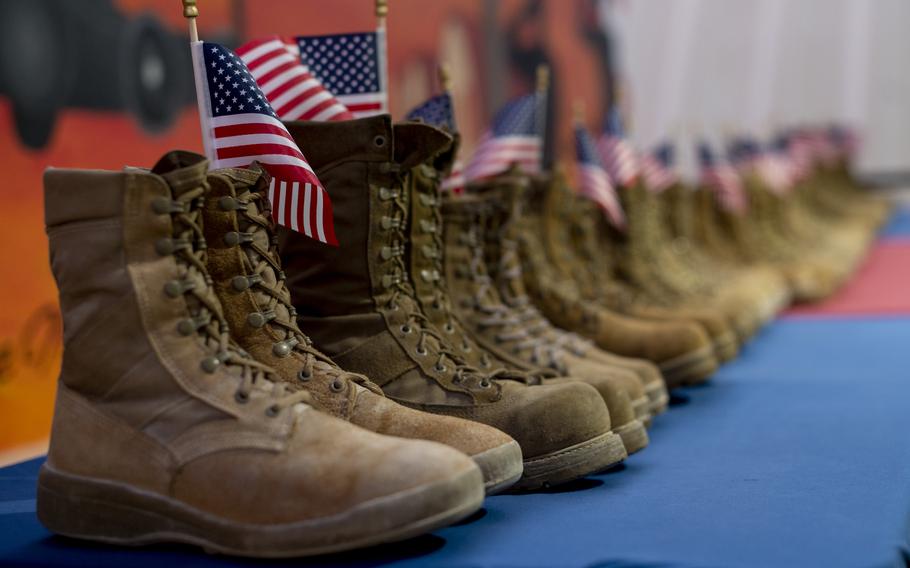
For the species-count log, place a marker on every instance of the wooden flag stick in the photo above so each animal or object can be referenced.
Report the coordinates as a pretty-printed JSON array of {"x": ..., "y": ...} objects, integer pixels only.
[
  {"x": 543, "y": 78},
  {"x": 190, "y": 11},
  {"x": 382, "y": 10},
  {"x": 578, "y": 111},
  {"x": 445, "y": 77}
]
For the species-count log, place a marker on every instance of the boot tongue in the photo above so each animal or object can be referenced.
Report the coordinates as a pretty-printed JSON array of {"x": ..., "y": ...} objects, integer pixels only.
[
  {"x": 416, "y": 143},
  {"x": 183, "y": 170}
]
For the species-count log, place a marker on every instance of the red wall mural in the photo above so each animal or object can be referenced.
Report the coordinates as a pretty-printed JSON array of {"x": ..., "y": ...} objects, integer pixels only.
[{"x": 103, "y": 84}]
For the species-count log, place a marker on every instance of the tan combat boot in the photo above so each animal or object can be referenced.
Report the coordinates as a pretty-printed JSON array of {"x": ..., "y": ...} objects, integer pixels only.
[
  {"x": 478, "y": 304},
  {"x": 682, "y": 350},
  {"x": 164, "y": 430},
  {"x": 358, "y": 305},
  {"x": 246, "y": 268},
  {"x": 624, "y": 260},
  {"x": 504, "y": 197},
  {"x": 756, "y": 291}
]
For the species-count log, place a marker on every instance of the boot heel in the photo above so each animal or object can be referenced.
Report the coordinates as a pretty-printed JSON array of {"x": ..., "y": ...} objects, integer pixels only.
[{"x": 78, "y": 507}]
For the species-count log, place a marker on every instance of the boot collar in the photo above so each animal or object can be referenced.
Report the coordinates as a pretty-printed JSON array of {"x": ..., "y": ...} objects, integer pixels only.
[{"x": 371, "y": 139}]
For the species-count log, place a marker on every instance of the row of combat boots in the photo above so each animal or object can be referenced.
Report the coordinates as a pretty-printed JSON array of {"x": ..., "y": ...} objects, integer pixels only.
[{"x": 235, "y": 385}]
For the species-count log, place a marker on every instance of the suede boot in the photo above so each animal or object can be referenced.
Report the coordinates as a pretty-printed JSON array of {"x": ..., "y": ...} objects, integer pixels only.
[
  {"x": 682, "y": 349},
  {"x": 164, "y": 430},
  {"x": 358, "y": 305},
  {"x": 504, "y": 196},
  {"x": 478, "y": 304},
  {"x": 246, "y": 268}
]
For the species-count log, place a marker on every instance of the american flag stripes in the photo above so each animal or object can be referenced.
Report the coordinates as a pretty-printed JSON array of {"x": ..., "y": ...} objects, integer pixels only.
[
  {"x": 748, "y": 155},
  {"x": 240, "y": 127},
  {"x": 440, "y": 112},
  {"x": 594, "y": 183},
  {"x": 352, "y": 66},
  {"x": 515, "y": 138},
  {"x": 617, "y": 154},
  {"x": 287, "y": 83},
  {"x": 722, "y": 179},
  {"x": 657, "y": 168}
]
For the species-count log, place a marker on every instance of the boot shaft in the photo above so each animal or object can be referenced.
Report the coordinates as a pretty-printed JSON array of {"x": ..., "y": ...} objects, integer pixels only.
[{"x": 357, "y": 301}]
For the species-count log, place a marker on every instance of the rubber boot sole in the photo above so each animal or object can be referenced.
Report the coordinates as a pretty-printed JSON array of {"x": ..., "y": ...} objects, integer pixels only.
[
  {"x": 726, "y": 346},
  {"x": 642, "y": 408},
  {"x": 501, "y": 467},
  {"x": 690, "y": 369},
  {"x": 634, "y": 436},
  {"x": 658, "y": 397},
  {"x": 117, "y": 513},
  {"x": 571, "y": 463}
]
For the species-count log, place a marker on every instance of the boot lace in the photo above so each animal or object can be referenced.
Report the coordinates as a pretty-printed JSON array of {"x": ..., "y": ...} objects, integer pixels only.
[
  {"x": 187, "y": 246},
  {"x": 267, "y": 281},
  {"x": 501, "y": 316},
  {"x": 403, "y": 297}
]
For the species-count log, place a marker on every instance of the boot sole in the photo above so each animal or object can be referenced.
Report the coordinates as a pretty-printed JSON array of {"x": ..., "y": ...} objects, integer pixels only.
[
  {"x": 726, "y": 347},
  {"x": 690, "y": 369},
  {"x": 658, "y": 397},
  {"x": 574, "y": 462},
  {"x": 634, "y": 436},
  {"x": 501, "y": 467},
  {"x": 116, "y": 513},
  {"x": 642, "y": 409}
]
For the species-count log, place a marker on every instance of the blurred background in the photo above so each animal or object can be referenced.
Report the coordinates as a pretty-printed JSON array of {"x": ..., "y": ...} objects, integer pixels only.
[{"x": 108, "y": 83}]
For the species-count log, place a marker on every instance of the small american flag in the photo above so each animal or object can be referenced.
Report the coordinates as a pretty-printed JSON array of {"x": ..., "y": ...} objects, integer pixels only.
[
  {"x": 748, "y": 155},
  {"x": 352, "y": 66},
  {"x": 617, "y": 155},
  {"x": 722, "y": 179},
  {"x": 594, "y": 183},
  {"x": 845, "y": 139},
  {"x": 515, "y": 138},
  {"x": 240, "y": 127},
  {"x": 291, "y": 89},
  {"x": 657, "y": 168},
  {"x": 798, "y": 153},
  {"x": 440, "y": 112}
]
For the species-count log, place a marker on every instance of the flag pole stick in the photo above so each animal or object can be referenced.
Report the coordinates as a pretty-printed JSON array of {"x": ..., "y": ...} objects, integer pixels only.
[
  {"x": 445, "y": 77},
  {"x": 543, "y": 87},
  {"x": 578, "y": 112},
  {"x": 190, "y": 11},
  {"x": 382, "y": 10}
]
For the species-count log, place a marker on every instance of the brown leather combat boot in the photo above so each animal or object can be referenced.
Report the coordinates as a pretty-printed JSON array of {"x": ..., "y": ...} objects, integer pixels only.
[
  {"x": 358, "y": 305},
  {"x": 246, "y": 268},
  {"x": 164, "y": 430}
]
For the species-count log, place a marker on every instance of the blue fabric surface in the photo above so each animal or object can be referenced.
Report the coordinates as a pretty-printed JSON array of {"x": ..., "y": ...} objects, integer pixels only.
[
  {"x": 796, "y": 455},
  {"x": 899, "y": 225}
]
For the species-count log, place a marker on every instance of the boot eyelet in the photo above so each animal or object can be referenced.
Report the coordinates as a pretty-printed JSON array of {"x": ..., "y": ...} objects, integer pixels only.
[
  {"x": 241, "y": 397},
  {"x": 379, "y": 141},
  {"x": 304, "y": 376},
  {"x": 337, "y": 385},
  {"x": 272, "y": 411},
  {"x": 406, "y": 328},
  {"x": 485, "y": 384},
  {"x": 449, "y": 328},
  {"x": 465, "y": 347},
  {"x": 210, "y": 364},
  {"x": 421, "y": 351},
  {"x": 161, "y": 205},
  {"x": 165, "y": 246},
  {"x": 186, "y": 327},
  {"x": 439, "y": 368}
]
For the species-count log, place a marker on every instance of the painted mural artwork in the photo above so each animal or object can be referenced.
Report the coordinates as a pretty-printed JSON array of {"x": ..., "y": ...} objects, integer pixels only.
[{"x": 108, "y": 83}]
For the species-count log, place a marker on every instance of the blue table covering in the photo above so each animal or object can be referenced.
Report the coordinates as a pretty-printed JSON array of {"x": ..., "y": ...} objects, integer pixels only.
[{"x": 797, "y": 454}]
